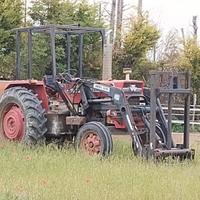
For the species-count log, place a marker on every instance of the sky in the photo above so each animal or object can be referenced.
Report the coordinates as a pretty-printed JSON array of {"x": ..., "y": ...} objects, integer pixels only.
[
  {"x": 172, "y": 14},
  {"x": 167, "y": 14}
]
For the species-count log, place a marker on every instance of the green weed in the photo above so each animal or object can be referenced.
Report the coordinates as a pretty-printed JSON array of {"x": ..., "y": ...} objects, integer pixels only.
[{"x": 47, "y": 173}]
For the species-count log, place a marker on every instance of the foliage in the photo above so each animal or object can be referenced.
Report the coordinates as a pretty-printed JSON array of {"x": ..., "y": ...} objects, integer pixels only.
[
  {"x": 49, "y": 12},
  {"x": 40, "y": 55},
  {"x": 190, "y": 60},
  {"x": 177, "y": 128},
  {"x": 10, "y": 17},
  {"x": 7, "y": 65},
  {"x": 141, "y": 38},
  {"x": 64, "y": 12},
  {"x": 169, "y": 52},
  {"x": 69, "y": 12},
  {"x": 48, "y": 174}
]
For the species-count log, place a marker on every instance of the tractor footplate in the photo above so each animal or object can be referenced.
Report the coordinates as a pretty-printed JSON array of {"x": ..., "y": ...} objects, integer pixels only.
[
  {"x": 175, "y": 153},
  {"x": 75, "y": 120}
]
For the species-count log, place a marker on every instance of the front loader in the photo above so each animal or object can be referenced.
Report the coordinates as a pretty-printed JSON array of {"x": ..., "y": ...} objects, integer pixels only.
[{"x": 62, "y": 108}]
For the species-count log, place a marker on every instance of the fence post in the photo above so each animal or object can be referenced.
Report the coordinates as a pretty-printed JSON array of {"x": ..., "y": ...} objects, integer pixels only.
[{"x": 194, "y": 107}]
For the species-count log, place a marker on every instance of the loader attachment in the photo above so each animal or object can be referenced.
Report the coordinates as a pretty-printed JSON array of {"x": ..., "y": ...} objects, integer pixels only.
[{"x": 169, "y": 84}]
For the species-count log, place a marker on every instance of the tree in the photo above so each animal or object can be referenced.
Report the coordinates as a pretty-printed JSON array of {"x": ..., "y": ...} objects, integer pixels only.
[
  {"x": 45, "y": 12},
  {"x": 169, "y": 52},
  {"x": 180, "y": 55},
  {"x": 10, "y": 17},
  {"x": 141, "y": 38},
  {"x": 190, "y": 60},
  {"x": 81, "y": 12}
]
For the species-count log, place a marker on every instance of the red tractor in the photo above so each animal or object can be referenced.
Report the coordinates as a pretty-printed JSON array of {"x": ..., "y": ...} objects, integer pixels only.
[
  {"x": 132, "y": 89},
  {"x": 63, "y": 108}
]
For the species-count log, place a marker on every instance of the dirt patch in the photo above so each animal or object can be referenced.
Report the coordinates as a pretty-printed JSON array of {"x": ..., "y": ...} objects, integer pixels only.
[
  {"x": 194, "y": 138},
  {"x": 177, "y": 137}
]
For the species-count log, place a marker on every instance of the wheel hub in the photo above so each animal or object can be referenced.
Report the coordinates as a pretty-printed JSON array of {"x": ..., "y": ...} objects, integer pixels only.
[
  {"x": 92, "y": 143},
  {"x": 13, "y": 123}
]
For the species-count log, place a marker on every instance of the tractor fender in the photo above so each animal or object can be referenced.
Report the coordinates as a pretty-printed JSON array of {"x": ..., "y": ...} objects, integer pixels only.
[{"x": 38, "y": 88}]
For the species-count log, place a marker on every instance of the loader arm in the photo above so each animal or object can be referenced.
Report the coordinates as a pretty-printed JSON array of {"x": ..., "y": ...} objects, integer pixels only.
[{"x": 118, "y": 98}]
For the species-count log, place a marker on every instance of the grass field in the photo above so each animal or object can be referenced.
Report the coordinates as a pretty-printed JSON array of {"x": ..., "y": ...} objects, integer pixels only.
[{"x": 51, "y": 174}]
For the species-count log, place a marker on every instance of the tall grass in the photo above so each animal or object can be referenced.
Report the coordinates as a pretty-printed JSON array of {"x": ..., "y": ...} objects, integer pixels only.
[{"x": 51, "y": 174}]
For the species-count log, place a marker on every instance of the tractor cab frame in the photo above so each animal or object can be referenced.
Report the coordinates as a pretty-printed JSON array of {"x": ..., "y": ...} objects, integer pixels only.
[{"x": 52, "y": 30}]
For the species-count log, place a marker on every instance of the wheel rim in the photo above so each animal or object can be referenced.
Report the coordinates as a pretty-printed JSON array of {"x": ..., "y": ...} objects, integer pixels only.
[
  {"x": 91, "y": 143},
  {"x": 13, "y": 123}
]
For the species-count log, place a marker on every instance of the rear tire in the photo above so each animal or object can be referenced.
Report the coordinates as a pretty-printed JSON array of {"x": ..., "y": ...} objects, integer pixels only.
[
  {"x": 94, "y": 138},
  {"x": 134, "y": 148},
  {"x": 159, "y": 134},
  {"x": 21, "y": 116}
]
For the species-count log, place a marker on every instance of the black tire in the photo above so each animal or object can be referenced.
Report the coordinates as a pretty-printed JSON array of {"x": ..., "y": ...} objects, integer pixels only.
[
  {"x": 22, "y": 117},
  {"x": 85, "y": 132},
  {"x": 107, "y": 135},
  {"x": 134, "y": 148},
  {"x": 159, "y": 134}
]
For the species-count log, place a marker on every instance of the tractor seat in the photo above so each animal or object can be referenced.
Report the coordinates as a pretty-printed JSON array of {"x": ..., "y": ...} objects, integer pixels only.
[{"x": 48, "y": 80}]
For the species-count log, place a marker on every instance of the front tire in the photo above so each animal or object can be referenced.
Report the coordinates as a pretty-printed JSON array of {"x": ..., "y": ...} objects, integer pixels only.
[
  {"x": 94, "y": 138},
  {"x": 21, "y": 116}
]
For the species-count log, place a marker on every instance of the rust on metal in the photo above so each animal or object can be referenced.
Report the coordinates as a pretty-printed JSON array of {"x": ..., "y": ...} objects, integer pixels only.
[
  {"x": 91, "y": 143},
  {"x": 13, "y": 123},
  {"x": 75, "y": 120}
]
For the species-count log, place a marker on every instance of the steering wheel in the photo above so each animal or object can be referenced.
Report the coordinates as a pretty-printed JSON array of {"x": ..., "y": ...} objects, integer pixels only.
[
  {"x": 65, "y": 77},
  {"x": 72, "y": 72}
]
